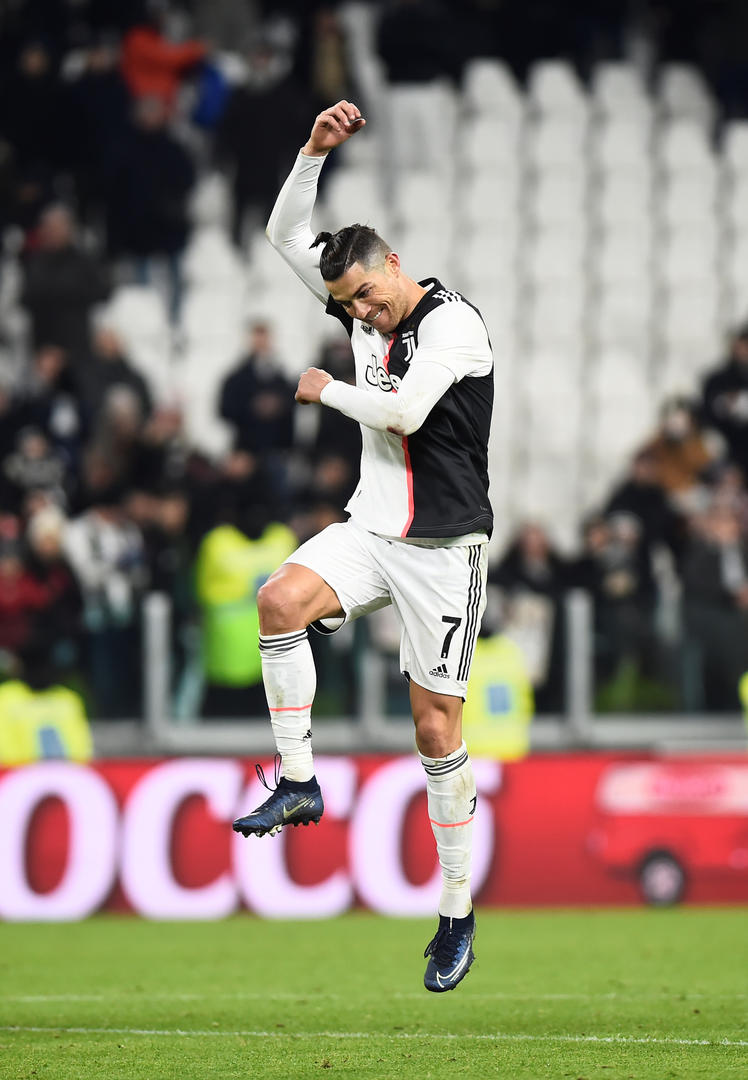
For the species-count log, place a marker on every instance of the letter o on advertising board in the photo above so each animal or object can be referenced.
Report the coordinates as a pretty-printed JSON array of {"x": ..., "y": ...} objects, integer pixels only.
[{"x": 91, "y": 865}]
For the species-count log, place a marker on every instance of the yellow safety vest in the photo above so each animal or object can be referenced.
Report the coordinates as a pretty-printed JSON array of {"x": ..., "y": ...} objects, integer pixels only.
[
  {"x": 230, "y": 569},
  {"x": 37, "y": 724},
  {"x": 500, "y": 704}
]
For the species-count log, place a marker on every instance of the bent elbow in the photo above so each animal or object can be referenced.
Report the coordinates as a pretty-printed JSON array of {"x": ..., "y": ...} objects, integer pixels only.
[{"x": 404, "y": 422}]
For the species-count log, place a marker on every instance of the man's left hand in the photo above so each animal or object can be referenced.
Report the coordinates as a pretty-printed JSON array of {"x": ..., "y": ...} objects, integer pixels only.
[{"x": 311, "y": 385}]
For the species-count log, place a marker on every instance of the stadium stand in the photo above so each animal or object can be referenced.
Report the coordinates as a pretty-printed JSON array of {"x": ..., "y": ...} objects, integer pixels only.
[{"x": 597, "y": 214}]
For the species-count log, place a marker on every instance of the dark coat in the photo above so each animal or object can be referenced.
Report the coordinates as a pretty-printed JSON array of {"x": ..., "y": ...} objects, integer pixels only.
[
  {"x": 146, "y": 195},
  {"x": 60, "y": 287}
]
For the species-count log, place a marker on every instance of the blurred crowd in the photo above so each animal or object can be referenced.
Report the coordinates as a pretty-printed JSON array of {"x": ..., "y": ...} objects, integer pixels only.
[
  {"x": 664, "y": 559},
  {"x": 109, "y": 111}
]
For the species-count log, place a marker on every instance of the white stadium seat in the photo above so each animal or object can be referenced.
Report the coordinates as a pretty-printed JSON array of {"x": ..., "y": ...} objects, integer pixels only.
[
  {"x": 735, "y": 146},
  {"x": 684, "y": 147},
  {"x": 554, "y": 255},
  {"x": 421, "y": 198},
  {"x": 138, "y": 315},
  {"x": 622, "y": 200},
  {"x": 621, "y": 145},
  {"x": 617, "y": 89},
  {"x": 554, "y": 143},
  {"x": 682, "y": 93},
  {"x": 487, "y": 144},
  {"x": 556, "y": 199},
  {"x": 554, "y": 89},
  {"x": 490, "y": 88},
  {"x": 211, "y": 260}
]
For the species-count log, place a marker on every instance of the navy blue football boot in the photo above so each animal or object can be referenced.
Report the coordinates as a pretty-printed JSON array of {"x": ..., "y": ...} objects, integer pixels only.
[
  {"x": 292, "y": 802},
  {"x": 450, "y": 953}
]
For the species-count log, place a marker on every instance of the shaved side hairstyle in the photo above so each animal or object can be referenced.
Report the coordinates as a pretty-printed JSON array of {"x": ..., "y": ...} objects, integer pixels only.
[{"x": 354, "y": 244}]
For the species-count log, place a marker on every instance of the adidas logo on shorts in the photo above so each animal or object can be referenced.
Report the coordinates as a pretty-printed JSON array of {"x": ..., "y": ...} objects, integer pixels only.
[{"x": 441, "y": 671}]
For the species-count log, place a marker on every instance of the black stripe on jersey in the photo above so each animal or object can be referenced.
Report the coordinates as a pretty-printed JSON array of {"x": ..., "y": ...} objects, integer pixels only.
[
  {"x": 449, "y": 452},
  {"x": 473, "y": 607}
]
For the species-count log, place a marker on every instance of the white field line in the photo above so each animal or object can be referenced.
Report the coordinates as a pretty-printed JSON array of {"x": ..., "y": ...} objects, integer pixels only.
[
  {"x": 242, "y": 995},
  {"x": 497, "y": 1036}
]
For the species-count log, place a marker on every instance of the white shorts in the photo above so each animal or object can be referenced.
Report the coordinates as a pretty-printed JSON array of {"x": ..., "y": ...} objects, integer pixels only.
[{"x": 438, "y": 593}]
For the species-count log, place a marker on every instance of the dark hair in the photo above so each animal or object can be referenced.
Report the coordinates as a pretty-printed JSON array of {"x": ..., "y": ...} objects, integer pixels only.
[{"x": 353, "y": 244}]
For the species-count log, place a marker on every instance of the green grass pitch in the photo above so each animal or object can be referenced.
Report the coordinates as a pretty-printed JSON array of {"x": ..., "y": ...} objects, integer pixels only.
[{"x": 598, "y": 995}]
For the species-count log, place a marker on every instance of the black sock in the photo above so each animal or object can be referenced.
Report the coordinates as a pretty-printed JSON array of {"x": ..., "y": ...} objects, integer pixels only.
[
  {"x": 457, "y": 924},
  {"x": 301, "y": 785}
]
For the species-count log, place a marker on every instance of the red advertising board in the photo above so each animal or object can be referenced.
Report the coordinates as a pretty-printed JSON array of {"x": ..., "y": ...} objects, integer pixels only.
[{"x": 154, "y": 837}]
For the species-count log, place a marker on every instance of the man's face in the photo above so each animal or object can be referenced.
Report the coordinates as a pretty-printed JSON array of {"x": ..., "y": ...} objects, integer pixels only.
[{"x": 376, "y": 296}]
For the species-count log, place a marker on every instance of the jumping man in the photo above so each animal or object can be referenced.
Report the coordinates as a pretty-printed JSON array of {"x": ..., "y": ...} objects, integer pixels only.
[{"x": 419, "y": 522}]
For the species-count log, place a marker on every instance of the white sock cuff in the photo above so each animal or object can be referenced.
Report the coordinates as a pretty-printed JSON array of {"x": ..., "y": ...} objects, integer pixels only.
[
  {"x": 278, "y": 644},
  {"x": 441, "y": 768}
]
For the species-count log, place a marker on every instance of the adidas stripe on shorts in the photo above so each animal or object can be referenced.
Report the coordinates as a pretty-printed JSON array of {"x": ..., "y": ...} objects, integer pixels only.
[{"x": 438, "y": 593}]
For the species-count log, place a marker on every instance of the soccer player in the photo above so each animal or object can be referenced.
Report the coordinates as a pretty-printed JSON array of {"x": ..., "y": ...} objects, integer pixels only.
[{"x": 419, "y": 522}]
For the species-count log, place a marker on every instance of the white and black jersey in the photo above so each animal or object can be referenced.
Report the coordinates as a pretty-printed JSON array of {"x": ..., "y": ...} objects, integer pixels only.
[
  {"x": 430, "y": 481},
  {"x": 433, "y": 482}
]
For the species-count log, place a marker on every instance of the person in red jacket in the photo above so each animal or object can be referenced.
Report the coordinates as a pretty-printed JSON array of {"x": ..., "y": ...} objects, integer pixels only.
[{"x": 153, "y": 66}]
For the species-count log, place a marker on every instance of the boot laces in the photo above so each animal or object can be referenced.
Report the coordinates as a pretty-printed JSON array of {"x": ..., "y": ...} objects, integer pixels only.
[
  {"x": 443, "y": 946},
  {"x": 276, "y": 769}
]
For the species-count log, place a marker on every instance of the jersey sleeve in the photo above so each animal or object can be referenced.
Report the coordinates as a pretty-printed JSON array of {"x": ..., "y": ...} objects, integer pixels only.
[
  {"x": 454, "y": 336},
  {"x": 401, "y": 413},
  {"x": 289, "y": 227}
]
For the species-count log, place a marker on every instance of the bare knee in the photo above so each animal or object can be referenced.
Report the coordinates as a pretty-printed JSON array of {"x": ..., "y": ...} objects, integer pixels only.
[
  {"x": 279, "y": 607},
  {"x": 438, "y": 731},
  {"x": 292, "y": 598}
]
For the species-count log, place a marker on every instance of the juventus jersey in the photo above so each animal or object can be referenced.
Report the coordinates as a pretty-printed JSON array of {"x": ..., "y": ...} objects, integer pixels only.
[{"x": 434, "y": 482}]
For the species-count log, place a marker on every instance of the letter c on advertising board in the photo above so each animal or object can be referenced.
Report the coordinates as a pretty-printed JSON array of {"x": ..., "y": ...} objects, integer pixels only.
[
  {"x": 146, "y": 868},
  {"x": 260, "y": 864},
  {"x": 375, "y": 842}
]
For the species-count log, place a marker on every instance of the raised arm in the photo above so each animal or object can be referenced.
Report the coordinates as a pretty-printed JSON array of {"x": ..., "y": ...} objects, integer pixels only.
[{"x": 289, "y": 228}]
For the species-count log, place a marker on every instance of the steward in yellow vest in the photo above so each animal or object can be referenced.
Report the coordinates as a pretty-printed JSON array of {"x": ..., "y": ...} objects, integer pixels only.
[
  {"x": 39, "y": 724},
  {"x": 230, "y": 569},
  {"x": 499, "y": 705}
]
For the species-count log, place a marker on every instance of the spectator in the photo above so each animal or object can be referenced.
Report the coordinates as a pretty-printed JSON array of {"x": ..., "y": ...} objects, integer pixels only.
[
  {"x": 153, "y": 66},
  {"x": 681, "y": 452},
  {"x": 30, "y": 114},
  {"x": 12, "y": 417},
  {"x": 715, "y": 610},
  {"x": 97, "y": 105},
  {"x": 21, "y": 596},
  {"x": 62, "y": 283},
  {"x": 273, "y": 108},
  {"x": 533, "y": 579},
  {"x": 57, "y": 625},
  {"x": 105, "y": 550},
  {"x": 237, "y": 491},
  {"x": 163, "y": 456},
  {"x": 334, "y": 429},
  {"x": 258, "y": 401},
  {"x": 51, "y": 404},
  {"x": 106, "y": 367},
  {"x": 642, "y": 495},
  {"x": 34, "y": 465},
  {"x": 146, "y": 195},
  {"x": 725, "y": 399},
  {"x": 616, "y": 570}
]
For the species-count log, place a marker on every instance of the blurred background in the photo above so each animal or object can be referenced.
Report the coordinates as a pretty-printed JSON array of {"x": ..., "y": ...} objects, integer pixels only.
[{"x": 577, "y": 170}]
